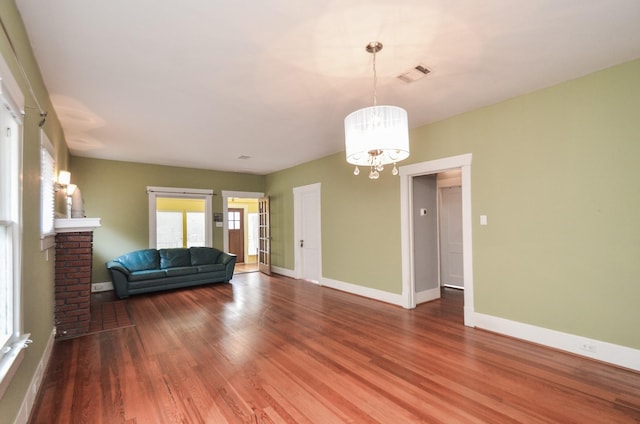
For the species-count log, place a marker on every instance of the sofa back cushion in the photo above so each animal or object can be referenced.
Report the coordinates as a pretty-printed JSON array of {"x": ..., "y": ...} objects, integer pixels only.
[
  {"x": 140, "y": 260},
  {"x": 204, "y": 255},
  {"x": 175, "y": 257}
]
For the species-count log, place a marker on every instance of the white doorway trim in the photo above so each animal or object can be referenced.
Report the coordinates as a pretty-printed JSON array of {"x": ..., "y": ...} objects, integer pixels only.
[
  {"x": 225, "y": 211},
  {"x": 407, "y": 173}
]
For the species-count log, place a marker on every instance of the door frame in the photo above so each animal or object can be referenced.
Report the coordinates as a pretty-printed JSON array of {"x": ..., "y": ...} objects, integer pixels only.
[
  {"x": 225, "y": 211},
  {"x": 407, "y": 173},
  {"x": 297, "y": 227}
]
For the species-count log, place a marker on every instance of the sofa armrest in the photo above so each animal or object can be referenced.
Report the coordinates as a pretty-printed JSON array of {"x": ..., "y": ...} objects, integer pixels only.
[
  {"x": 119, "y": 277},
  {"x": 229, "y": 261}
]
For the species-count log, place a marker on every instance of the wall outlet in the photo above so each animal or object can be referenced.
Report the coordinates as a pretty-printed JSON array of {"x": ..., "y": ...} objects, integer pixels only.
[{"x": 588, "y": 346}]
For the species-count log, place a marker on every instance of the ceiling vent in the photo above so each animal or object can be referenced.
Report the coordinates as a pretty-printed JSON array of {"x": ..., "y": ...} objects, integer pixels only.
[{"x": 414, "y": 74}]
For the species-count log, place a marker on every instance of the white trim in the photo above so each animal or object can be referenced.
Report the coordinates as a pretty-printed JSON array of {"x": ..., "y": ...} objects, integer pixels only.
[
  {"x": 427, "y": 295},
  {"x": 177, "y": 192},
  {"x": 315, "y": 188},
  {"x": 375, "y": 294},
  {"x": 76, "y": 225},
  {"x": 36, "y": 381},
  {"x": 407, "y": 173},
  {"x": 283, "y": 271},
  {"x": 10, "y": 90},
  {"x": 603, "y": 351},
  {"x": 225, "y": 211},
  {"x": 101, "y": 287}
]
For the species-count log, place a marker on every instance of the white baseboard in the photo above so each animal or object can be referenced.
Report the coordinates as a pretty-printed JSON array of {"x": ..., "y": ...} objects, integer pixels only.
[
  {"x": 622, "y": 356},
  {"x": 36, "y": 381},
  {"x": 383, "y": 296},
  {"x": 283, "y": 271},
  {"x": 427, "y": 295},
  {"x": 101, "y": 287}
]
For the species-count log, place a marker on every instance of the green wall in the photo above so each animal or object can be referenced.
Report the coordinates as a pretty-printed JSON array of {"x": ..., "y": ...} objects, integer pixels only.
[
  {"x": 116, "y": 192},
  {"x": 37, "y": 265},
  {"x": 556, "y": 172},
  {"x": 360, "y": 222}
]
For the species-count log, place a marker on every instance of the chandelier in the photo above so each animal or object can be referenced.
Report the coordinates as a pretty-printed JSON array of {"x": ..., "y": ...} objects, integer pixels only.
[{"x": 378, "y": 135}]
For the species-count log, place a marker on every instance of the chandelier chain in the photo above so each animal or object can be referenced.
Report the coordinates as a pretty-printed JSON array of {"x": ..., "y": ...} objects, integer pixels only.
[{"x": 375, "y": 79}]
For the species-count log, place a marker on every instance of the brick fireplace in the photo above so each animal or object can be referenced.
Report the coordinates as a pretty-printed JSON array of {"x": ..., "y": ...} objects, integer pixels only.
[{"x": 74, "y": 258}]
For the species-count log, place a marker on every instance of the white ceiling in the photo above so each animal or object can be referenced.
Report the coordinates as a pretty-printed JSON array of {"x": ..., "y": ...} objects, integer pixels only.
[{"x": 200, "y": 83}]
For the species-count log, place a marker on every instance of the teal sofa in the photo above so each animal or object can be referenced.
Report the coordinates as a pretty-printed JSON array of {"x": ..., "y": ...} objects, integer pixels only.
[{"x": 150, "y": 270}]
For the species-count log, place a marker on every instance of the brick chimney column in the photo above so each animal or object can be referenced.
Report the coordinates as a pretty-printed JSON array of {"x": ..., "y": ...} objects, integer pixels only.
[{"x": 74, "y": 257}]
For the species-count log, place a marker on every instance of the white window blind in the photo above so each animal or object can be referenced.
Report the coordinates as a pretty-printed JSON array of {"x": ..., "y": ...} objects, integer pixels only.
[{"x": 47, "y": 188}]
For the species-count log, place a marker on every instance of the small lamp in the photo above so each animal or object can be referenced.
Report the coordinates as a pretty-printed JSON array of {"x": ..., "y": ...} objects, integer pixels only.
[
  {"x": 64, "y": 178},
  {"x": 71, "y": 188}
]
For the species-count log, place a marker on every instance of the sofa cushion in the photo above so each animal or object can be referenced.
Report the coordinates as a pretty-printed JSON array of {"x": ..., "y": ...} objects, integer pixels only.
[
  {"x": 140, "y": 260},
  {"x": 184, "y": 270},
  {"x": 176, "y": 257},
  {"x": 148, "y": 274},
  {"x": 204, "y": 255},
  {"x": 210, "y": 268}
]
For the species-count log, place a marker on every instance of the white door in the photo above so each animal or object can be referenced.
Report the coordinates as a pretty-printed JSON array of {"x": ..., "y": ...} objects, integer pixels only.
[
  {"x": 307, "y": 232},
  {"x": 451, "y": 237}
]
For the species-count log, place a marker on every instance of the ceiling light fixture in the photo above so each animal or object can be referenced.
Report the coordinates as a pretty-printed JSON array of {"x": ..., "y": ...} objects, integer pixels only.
[{"x": 378, "y": 135}]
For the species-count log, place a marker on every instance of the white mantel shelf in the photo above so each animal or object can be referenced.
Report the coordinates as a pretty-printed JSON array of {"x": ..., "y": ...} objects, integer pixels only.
[{"x": 76, "y": 225}]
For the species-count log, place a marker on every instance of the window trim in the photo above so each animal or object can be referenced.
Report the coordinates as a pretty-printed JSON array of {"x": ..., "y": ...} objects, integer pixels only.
[
  {"x": 186, "y": 193},
  {"x": 12, "y": 351}
]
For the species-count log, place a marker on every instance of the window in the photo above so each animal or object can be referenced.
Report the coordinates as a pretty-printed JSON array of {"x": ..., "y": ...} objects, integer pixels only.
[
  {"x": 180, "y": 217},
  {"x": 11, "y": 339},
  {"x": 253, "y": 234},
  {"x": 47, "y": 193},
  {"x": 234, "y": 220}
]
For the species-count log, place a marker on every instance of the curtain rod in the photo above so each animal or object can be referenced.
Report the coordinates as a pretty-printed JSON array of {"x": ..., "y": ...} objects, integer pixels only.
[{"x": 42, "y": 113}]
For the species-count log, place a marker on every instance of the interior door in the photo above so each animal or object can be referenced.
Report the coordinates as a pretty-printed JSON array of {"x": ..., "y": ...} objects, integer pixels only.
[
  {"x": 451, "y": 237},
  {"x": 264, "y": 236},
  {"x": 307, "y": 203},
  {"x": 236, "y": 233}
]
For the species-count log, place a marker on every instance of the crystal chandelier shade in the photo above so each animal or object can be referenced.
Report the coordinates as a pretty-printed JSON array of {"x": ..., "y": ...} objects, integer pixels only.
[{"x": 377, "y": 135}]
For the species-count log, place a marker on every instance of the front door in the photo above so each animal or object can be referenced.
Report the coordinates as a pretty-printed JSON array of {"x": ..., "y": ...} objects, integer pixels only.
[{"x": 236, "y": 234}]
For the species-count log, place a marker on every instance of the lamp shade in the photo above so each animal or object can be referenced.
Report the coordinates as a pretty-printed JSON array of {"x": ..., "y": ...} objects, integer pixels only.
[
  {"x": 376, "y": 135},
  {"x": 64, "y": 177}
]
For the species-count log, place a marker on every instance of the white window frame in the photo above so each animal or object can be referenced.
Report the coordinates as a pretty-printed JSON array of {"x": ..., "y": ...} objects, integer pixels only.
[
  {"x": 12, "y": 104},
  {"x": 47, "y": 193},
  {"x": 186, "y": 193}
]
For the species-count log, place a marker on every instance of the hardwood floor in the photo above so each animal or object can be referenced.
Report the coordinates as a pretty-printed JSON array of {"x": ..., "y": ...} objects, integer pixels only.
[{"x": 275, "y": 350}]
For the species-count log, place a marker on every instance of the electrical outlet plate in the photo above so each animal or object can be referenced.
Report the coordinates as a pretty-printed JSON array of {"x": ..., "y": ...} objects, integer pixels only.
[{"x": 588, "y": 346}]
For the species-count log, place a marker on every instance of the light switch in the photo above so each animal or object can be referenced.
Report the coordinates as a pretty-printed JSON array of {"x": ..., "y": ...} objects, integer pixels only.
[{"x": 483, "y": 219}]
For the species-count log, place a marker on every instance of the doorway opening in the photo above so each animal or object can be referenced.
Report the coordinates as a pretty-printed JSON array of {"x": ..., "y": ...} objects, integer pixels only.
[
  {"x": 241, "y": 228},
  {"x": 415, "y": 241}
]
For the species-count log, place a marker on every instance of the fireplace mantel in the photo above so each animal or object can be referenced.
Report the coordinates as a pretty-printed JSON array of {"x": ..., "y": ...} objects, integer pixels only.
[{"x": 75, "y": 225}]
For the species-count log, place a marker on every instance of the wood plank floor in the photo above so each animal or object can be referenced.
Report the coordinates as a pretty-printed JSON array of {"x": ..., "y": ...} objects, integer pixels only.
[{"x": 275, "y": 350}]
